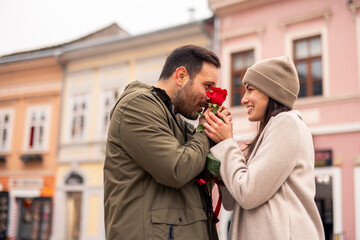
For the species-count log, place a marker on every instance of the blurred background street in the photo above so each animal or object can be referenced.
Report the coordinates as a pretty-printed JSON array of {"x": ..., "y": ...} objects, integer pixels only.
[{"x": 64, "y": 64}]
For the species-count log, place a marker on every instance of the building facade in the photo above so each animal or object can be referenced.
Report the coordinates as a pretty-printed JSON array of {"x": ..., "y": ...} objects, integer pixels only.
[
  {"x": 30, "y": 92},
  {"x": 54, "y": 114},
  {"x": 323, "y": 39}
]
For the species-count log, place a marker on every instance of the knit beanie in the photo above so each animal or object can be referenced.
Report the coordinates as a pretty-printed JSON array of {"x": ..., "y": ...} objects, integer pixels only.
[{"x": 276, "y": 77}]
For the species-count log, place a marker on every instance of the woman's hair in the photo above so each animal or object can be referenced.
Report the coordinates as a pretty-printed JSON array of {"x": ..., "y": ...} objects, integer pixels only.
[{"x": 272, "y": 109}]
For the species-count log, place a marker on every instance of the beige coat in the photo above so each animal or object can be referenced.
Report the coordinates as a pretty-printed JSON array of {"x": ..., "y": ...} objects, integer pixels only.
[
  {"x": 272, "y": 196},
  {"x": 150, "y": 170}
]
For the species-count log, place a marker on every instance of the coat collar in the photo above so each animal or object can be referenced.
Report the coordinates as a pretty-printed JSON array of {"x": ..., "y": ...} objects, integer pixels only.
[{"x": 261, "y": 137}]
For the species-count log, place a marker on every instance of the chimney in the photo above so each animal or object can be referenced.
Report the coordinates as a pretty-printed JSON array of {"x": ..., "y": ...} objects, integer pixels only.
[{"x": 191, "y": 14}]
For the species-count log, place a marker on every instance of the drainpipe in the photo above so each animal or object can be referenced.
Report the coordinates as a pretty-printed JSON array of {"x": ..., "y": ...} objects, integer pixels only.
[
  {"x": 55, "y": 214},
  {"x": 57, "y": 54},
  {"x": 217, "y": 39}
]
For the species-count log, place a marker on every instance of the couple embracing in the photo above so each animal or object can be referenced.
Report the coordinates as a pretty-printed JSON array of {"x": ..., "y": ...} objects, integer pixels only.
[{"x": 155, "y": 158}]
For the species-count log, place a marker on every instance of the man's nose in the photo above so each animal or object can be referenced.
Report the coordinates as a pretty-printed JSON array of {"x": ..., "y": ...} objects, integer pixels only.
[{"x": 206, "y": 97}]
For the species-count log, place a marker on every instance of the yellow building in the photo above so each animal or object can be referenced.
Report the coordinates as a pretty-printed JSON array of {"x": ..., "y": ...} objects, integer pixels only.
[
  {"x": 96, "y": 72},
  {"x": 30, "y": 91}
]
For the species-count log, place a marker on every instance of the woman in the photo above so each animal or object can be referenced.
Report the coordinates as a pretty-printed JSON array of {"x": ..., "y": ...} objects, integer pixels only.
[{"x": 271, "y": 187}]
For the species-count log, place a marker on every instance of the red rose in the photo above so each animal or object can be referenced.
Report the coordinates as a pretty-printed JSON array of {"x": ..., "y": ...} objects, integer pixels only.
[{"x": 217, "y": 96}]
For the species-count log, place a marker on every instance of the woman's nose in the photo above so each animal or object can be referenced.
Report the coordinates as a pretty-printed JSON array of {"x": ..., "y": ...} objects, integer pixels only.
[{"x": 244, "y": 100}]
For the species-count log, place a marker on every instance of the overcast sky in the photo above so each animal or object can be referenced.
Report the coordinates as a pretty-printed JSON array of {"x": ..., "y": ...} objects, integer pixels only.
[{"x": 32, "y": 24}]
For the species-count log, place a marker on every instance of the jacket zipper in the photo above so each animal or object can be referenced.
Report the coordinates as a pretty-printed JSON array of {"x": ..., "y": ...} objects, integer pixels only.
[
  {"x": 185, "y": 132},
  {"x": 171, "y": 232},
  {"x": 208, "y": 218},
  {"x": 207, "y": 203}
]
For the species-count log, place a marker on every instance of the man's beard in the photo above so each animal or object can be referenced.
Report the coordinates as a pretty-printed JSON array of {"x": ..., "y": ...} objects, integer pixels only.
[{"x": 184, "y": 103}]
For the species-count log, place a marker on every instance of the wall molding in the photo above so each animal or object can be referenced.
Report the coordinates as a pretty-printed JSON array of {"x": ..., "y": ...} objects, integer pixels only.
[
  {"x": 303, "y": 18},
  {"x": 259, "y": 29},
  {"x": 335, "y": 129}
]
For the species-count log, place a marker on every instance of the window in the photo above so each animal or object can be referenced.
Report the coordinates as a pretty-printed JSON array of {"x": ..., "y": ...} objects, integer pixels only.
[
  {"x": 74, "y": 206},
  {"x": 34, "y": 220},
  {"x": 4, "y": 213},
  {"x": 73, "y": 215},
  {"x": 79, "y": 107},
  {"x": 5, "y": 128},
  {"x": 36, "y": 128},
  {"x": 74, "y": 179},
  {"x": 329, "y": 188},
  {"x": 109, "y": 100},
  {"x": 36, "y": 139},
  {"x": 239, "y": 64},
  {"x": 308, "y": 62}
]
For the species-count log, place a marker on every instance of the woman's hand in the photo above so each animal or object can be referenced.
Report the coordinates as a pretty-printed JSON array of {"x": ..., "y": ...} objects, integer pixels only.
[
  {"x": 216, "y": 128},
  {"x": 226, "y": 112}
]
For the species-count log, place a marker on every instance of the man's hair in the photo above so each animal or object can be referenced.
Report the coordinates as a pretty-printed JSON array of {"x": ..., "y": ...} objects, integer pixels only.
[{"x": 191, "y": 57}]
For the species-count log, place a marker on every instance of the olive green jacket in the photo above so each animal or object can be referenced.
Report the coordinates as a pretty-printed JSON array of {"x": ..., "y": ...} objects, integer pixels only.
[{"x": 150, "y": 171}]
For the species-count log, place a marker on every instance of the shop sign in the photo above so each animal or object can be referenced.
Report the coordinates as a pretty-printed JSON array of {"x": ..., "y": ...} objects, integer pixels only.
[
  {"x": 26, "y": 183},
  {"x": 323, "y": 158}
]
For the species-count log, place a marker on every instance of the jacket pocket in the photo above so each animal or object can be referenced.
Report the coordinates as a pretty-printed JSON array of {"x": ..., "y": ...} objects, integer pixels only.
[{"x": 179, "y": 224}]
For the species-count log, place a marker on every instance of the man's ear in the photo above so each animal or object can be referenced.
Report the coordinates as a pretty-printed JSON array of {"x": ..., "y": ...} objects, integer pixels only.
[{"x": 181, "y": 75}]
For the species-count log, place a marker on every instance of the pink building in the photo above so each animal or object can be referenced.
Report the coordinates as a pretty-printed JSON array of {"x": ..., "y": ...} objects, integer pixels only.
[{"x": 323, "y": 39}]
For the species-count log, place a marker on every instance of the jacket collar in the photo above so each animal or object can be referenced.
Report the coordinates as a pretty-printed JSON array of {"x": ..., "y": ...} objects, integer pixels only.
[{"x": 164, "y": 97}]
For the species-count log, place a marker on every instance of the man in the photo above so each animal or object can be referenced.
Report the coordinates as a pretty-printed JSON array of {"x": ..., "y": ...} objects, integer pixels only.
[{"x": 153, "y": 157}]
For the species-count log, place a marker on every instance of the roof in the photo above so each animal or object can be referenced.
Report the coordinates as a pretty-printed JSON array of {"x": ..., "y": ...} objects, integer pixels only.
[
  {"x": 113, "y": 30},
  {"x": 108, "y": 35}
]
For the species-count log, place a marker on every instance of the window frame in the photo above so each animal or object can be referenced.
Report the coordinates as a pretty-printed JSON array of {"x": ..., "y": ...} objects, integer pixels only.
[
  {"x": 309, "y": 81},
  {"x": 238, "y": 42},
  {"x": 233, "y": 73},
  {"x": 112, "y": 77},
  {"x": 8, "y": 145},
  {"x": 106, "y": 110},
  {"x": 46, "y": 109},
  {"x": 84, "y": 99},
  {"x": 293, "y": 32}
]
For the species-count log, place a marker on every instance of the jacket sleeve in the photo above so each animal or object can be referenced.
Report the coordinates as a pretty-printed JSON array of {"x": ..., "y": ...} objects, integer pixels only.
[
  {"x": 147, "y": 137},
  {"x": 254, "y": 184}
]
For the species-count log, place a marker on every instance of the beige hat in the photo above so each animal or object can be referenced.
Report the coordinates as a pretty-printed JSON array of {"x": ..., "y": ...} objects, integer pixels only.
[{"x": 275, "y": 77}]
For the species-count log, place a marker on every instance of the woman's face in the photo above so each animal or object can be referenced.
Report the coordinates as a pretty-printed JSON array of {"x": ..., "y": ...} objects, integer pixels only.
[{"x": 256, "y": 103}]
